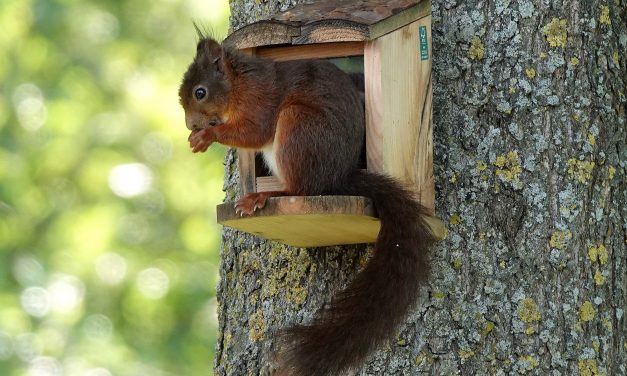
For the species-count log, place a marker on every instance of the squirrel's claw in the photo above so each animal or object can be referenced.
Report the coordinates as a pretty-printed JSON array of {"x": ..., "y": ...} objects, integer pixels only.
[{"x": 249, "y": 204}]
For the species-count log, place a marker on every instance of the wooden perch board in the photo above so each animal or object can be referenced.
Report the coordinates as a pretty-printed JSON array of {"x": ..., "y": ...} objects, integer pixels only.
[
  {"x": 313, "y": 221},
  {"x": 308, "y": 221},
  {"x": 326, "y": 21}
]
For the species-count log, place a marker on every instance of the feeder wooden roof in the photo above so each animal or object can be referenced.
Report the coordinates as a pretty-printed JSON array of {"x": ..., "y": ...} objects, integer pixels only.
[{"x": 325, "y": 21}]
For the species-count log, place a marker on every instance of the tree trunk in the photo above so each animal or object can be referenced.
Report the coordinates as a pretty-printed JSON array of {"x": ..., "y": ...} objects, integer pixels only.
[{"x": 530, "y": 158}]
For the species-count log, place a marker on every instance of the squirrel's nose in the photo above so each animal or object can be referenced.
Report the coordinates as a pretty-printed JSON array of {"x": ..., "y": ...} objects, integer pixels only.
[{"x": 191, "y": 123}]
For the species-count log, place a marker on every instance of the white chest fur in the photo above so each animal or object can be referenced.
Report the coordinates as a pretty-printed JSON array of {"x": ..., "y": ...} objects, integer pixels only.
[{"x": 269, "y": 156}]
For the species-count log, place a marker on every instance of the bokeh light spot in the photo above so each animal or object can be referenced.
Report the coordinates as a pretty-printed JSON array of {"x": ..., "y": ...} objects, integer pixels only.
[
  {"x": 100, "y": 25},
  {"x": 153, "y": 283},
  {"x": 28, "y": 271},
  {"x": 111, "y": 268},
  {"x": 27, "y": 346},
  {"x": 134, "y": 229},
  {"x": 93, "y": 25},
  {"x": 110, "y": 127},
  {"x": 44, "y": 366},
  {"x": 130, "y": 180},
  {"x": 29, "y": 106},
  {"x": 35, "y": 301},
  {"x": 156, "y": 148},
  {"x": 98, "y": 327},
  {"x": 66, "y": 293}
]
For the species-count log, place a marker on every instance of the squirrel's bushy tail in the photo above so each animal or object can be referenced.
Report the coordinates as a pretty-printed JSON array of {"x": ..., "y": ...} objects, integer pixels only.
[{"x": 370, "y": 310}]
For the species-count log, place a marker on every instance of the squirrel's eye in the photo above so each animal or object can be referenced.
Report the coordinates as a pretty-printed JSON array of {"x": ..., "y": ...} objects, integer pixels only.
[{"x": 200, "y": 93}]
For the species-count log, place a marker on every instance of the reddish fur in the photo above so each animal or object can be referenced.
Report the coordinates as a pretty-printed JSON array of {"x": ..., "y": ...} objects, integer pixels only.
[{"x": 314, "y": 115}]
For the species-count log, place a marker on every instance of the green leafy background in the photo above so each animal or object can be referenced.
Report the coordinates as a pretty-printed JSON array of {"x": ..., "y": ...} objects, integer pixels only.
[{"x": 108, "y": 242}]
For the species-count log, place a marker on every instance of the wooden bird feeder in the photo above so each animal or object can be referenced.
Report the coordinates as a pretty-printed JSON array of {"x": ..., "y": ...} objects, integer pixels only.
[{"x": 394, "y": 39}]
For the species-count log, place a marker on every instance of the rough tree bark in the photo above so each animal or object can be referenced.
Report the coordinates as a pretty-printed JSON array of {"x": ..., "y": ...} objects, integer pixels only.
[{"x": 530, "y": 159}]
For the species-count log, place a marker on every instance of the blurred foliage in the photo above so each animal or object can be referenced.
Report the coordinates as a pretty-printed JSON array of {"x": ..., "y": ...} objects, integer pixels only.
[{"x": 108, "y": 242}]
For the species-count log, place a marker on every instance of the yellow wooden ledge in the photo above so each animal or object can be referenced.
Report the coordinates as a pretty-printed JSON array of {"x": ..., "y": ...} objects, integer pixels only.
[{"x": 313, "y": 221}]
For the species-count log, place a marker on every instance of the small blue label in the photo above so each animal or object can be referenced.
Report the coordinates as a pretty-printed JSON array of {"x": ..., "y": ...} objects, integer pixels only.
[{"x": 424, "y": 43}]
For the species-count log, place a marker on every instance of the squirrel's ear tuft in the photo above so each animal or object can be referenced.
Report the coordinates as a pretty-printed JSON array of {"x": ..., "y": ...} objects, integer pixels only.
[
  {"x": 207, "y": 44},
  {"x": 202, "y": 38},
  {"x": 202, "y": 34}
]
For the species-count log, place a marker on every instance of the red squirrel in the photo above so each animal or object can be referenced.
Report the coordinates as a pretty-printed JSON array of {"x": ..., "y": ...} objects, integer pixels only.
[{"x": 307, "y": 117}]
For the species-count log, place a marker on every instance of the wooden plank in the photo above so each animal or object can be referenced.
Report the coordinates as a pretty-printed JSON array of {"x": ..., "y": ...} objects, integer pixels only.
[
  {"x": 424, "y": 148},
  {"x": 328, "y": 31},
  {"x": 312, "y": 51},
  {"x": 292, "y": 205},
  {"x": 399, "y": 86},
  {"x": 375, "y": 127},
  {"x": 249, "y": 51},
  {"x": 246, "y": 161},
  {"x": 308, "y": 221},
  {"x": 313, "y": 221},
  {"x": 268, "y": 184},
  {"x": 311, "y": 230},
  {"x": 262, "y": 33},
  {"x": 398, "y": 102}
]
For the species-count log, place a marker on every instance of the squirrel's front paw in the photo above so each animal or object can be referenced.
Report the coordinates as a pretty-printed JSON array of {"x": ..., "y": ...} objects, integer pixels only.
[
  {"x": 249, "y": 203},
  {"x": 200, "y": 140}
]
